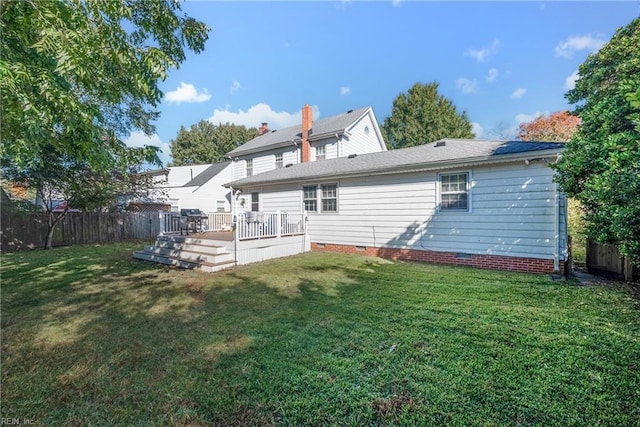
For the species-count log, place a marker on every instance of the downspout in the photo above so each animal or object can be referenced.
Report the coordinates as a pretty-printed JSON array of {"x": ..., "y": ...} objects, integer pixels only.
[
  {"x": 234, "y": 225},
  {"x": 556, "y": 214},
  {"x": 556, "y": 225}
]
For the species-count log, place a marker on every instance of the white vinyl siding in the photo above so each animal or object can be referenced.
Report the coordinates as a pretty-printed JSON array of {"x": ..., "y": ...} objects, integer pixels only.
[
  {"x": 278, "y": 198},
  {"x": 327, "y": 147},
  {"x": 264, "y": 162},
  {"x": 206, "y": 197},
  {"x": 512, "y": 213},
  {"x": 362, "y": 138}
]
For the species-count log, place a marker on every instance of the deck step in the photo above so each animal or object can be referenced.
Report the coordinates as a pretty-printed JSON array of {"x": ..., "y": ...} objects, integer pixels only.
[
  {"x": 205, "y": 249},
  {"x": 187, "y": 252},
  {"x": 183, "y": 263},
  {"x": 193, "y": 254}
]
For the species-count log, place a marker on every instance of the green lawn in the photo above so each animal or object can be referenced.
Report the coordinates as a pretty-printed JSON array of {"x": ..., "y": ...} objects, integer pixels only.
[{"x": 92, "y": 337}]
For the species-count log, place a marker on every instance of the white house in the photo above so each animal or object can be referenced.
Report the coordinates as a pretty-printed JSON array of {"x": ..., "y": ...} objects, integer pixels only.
[
  {"x": 192, "y": 187},
  {"x": 490, "y": 204},
  {"x": 202, "y": 186},
  {"x": 354, "y": 132}
]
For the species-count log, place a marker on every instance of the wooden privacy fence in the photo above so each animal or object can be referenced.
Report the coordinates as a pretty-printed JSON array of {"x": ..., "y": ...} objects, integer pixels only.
[
  {"x": 606, "y": 260},
  {"x": 28, "y": 230}
]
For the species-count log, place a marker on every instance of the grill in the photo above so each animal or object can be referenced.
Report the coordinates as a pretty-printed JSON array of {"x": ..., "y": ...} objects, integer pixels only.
[{"x": 193, "y": 220}]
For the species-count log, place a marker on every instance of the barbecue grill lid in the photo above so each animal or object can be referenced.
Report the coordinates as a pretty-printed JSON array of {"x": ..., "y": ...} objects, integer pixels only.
[{"x": 191, "y": 212}]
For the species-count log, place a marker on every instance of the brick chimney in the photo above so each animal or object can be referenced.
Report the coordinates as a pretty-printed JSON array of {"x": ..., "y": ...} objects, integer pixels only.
[
  {"x": 307, "y": 125},
  {"x": 263, "y": 129}
]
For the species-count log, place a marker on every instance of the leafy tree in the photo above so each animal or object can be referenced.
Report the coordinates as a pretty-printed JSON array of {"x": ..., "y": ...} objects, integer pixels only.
[
  {"x": 75, "y": 76},
  {"x": 421, "y": 116},
  {"x": 559, "y": 127},
  {"x": 62, "y": 178},
  {"x": 205, "y": 142},
  {"x": 601, "y": 164}
]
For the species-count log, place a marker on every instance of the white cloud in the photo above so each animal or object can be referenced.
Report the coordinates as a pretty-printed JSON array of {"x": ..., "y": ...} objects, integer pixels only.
[
  {"x": 235, "y": 86},
  {"x": 567, "y": 48},
  {"x": 396, "y": 3},
  {"x": 139, "y": 139},
  {"x": 345, "y": 90},
  {"x": 525, "y": 118},
  {"x": 186, "y": 92},
  {"x": 260, "y": 113},
  {"x": 467, "y": 85},
  {"x": 570, "y": 81},
  {"x": 483, "y": 54},
  {"x": 492, "y": 75},
  {"x": 518, "y": 93},
  {"x": 477, "y": 130}
]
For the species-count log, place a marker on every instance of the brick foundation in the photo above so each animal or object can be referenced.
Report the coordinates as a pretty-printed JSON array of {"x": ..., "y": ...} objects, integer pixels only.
[{"x": 492, "y": 262}]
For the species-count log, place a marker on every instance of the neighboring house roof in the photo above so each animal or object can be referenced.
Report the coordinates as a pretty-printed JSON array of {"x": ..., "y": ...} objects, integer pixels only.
[
  {"x": 441, "y": 154},
  {"x": 287, "y": 136},
  {"x": 155, "y": 172},
  {"x": 207, "y": 174}
]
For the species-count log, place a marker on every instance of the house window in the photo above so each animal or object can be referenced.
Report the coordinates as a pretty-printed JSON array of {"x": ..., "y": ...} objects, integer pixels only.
[
  {"x": 454, "y": 192},
  {"x": 329, "y": 198},
  {"x": 321, "y": 152},
  {"x": 255, "y": 202},
  {"x": 279, "y": 161},
  {"x": 310, "y": 198},
  {"x": 220, "y": 205},
  {"x": 250, "y": 167}
]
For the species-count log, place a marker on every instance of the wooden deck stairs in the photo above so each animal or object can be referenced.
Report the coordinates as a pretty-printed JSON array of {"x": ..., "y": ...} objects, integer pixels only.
[{"x": 188, "y": 252}]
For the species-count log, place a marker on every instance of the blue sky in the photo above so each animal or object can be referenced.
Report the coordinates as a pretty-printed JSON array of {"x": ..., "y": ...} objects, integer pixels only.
[{"x": 502, "y": 63}]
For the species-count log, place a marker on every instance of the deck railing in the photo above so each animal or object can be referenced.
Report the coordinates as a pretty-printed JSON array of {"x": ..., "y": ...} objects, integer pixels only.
[
  {"x": 216, "y": 221},
  {"x": 220, "y": 221},
  {"x": 259, "y": 225},
  {"x": 249, "y": 225}
]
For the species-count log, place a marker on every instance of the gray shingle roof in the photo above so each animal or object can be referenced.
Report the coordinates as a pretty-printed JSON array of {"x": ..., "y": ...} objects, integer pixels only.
[
  {"x": 439, "y": 154},
  {"x": 204, "y": 176},
  {"x": 286, "y": 136}
]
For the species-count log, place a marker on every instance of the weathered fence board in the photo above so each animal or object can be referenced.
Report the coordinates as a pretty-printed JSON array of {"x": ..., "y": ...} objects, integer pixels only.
[
  {"x": 21, "y": 231},
  {"x": 606, "y": 260}
]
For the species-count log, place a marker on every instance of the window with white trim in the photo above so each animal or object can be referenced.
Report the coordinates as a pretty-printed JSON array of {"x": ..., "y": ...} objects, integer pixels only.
[
  {"x": 320, "y": 198},
  {"x": 250, "y": 167},
  {"x": 321, "y": 152},
  {"x": 454, "y": 192},
  {"x": 279, "y": 161},
  {"x": 310, "y": 198},
  {"x": 255, "y": 202},
  {"x": 329, "y": 198}
]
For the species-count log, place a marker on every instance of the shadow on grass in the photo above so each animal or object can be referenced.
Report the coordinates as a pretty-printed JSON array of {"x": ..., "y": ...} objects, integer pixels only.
[
  {"x": 95, "y": 337},
  {"x": 90, "y": 335}
]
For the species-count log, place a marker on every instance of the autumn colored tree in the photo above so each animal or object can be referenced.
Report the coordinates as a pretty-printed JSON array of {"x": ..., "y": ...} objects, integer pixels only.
[{"x": 559, "y": 126}]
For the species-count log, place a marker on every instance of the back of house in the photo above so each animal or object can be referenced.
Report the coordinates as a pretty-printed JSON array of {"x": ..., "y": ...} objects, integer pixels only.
[{"x": 489, "y": 204}]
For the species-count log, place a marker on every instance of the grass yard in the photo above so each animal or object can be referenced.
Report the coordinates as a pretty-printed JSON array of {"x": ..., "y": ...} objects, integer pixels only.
[{"x": 91, "y": 336}]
